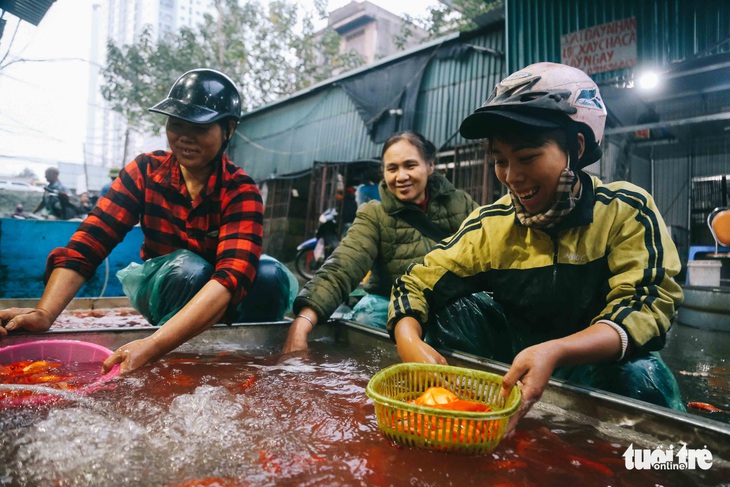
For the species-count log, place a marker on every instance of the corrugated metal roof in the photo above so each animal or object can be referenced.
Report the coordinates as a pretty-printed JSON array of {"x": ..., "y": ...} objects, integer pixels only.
[
  {"x": 355, "y": 72},
  {"x": 32, "y": 11}
]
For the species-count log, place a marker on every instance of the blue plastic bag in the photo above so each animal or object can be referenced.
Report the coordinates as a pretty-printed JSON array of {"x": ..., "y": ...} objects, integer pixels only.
[{"x": 161, "y": 286}]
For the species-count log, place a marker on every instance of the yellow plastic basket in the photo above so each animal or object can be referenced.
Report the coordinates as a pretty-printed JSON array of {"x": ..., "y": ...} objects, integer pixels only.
[{"x": 441, "y": 429}]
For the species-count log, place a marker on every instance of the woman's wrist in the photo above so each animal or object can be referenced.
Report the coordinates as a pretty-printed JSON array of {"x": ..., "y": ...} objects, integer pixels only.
[
  {"x": 46, "y": 313},
  {"x": 302, "y": 316},
  {"x": 304, "y": 322},
  {"x": 555, "y": 352},
  {"x": 163, "y": 341},
  {"x": 299, "y": 329}
]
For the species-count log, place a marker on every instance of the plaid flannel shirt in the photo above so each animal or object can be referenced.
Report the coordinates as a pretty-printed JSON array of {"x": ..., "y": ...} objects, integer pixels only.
[{"x": 224, "y": 224}]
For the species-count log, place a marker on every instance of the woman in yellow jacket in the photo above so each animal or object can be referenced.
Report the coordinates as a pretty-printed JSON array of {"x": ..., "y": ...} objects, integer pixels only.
[{"x": 582, "y": 270}]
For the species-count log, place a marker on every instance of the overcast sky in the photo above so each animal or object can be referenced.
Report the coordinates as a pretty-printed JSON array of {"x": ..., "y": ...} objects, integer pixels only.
[{"x": 43, "y": 105}]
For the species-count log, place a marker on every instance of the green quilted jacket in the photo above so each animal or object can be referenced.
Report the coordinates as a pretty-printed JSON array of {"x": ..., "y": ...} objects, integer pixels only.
[{"x": 383, "y": 243}]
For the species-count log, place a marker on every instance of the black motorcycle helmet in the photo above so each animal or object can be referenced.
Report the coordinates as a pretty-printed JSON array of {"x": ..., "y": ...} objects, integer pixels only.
[{"x": 202, "y": 96}]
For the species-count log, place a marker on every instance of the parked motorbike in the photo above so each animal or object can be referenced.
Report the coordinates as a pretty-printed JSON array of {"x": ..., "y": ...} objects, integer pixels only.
[{"x": 312, "y": 253}]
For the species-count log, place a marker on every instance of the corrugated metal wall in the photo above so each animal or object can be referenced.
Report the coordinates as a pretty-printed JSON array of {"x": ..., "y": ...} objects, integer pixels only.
[
  {"x": 667, "y": 30},
  {"x": 291, "y": 136},
  {"x": 451, "y": 89}
]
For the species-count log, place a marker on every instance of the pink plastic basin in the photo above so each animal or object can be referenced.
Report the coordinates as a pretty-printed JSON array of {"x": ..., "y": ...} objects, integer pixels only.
[{"x": 65, "y": 351}]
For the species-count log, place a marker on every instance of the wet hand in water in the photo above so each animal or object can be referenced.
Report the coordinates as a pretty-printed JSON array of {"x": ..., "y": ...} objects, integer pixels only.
[
  {"x": 296, "y": 340},
  {"x": 132, "y": 355},
  {"x": 31, "y": 319},
  {"x": 411, "y": 348},
  {"x": 298, "y": 356},
  {"x": 288, "y": 353},
  {"x": 295, "y": 343},
  {"x": 530, "y": 371},
  {"x": 420, "y": 352}
]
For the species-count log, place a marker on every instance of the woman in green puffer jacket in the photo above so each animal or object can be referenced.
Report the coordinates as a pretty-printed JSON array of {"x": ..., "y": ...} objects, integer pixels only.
[{"x": 380, "y": 239}]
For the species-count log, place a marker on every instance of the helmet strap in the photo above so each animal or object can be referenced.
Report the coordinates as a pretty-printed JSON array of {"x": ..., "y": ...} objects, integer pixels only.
[
  {"x": 226, "y": 139},
  {"x": 573, "y": 147}
]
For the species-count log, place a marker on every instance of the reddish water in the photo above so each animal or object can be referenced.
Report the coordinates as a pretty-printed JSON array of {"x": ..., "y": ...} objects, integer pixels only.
[{"x": 231, "y": 419}]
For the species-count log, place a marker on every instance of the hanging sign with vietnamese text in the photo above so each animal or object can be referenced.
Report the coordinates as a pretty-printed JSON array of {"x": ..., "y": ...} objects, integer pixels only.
[{"x": 601, "y": 48}]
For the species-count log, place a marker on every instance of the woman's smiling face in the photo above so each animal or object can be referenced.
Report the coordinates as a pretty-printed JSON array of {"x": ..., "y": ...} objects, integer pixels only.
[
  {"x": 406, "y": 172},
  {"x": 530, "y": 171},
  {"x": 194, "y": 145}
]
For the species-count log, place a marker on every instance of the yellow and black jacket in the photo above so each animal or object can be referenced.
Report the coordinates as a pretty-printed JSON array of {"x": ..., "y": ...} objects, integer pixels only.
[{"x": 610, "y": 259}]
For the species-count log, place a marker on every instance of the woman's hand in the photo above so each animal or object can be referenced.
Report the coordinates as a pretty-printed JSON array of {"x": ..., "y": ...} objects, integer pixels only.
[
  {"x": 410, "y": 346},
  {"x": 134, "y": 355},
  {"x": 201, "y": 312},
  {"x": 60, "y": 290},
  {"x": 296, "y": 340},
  {"x": 31, "y": 319},
  {"x": 530, "y": 371}
]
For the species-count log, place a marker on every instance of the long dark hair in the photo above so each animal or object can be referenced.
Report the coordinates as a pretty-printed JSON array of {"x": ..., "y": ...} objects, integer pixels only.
[{"x": 425, "y": 147}]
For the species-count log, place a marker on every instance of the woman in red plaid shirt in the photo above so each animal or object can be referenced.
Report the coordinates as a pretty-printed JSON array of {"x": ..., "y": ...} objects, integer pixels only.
[{"x": 202, "y": 219}]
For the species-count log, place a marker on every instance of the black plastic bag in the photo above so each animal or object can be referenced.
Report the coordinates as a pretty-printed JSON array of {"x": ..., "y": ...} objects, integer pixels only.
[{"x": 473, "y": 324}]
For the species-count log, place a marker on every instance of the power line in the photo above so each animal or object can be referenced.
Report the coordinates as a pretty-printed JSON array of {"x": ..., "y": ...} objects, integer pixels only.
[{"x": 49, "y": 60}]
